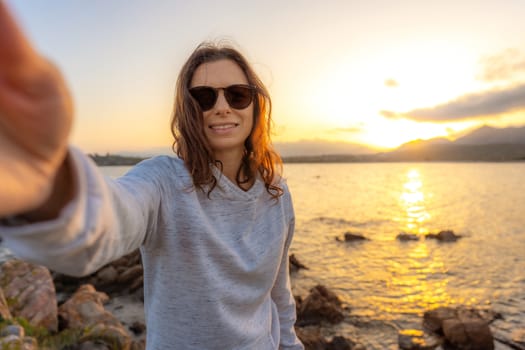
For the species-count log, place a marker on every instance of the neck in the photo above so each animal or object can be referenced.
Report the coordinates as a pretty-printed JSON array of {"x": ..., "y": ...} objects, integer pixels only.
[{"x": 231, "y": 162}]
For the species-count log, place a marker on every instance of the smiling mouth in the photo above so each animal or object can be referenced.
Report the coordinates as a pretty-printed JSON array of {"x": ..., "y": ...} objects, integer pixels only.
[{"x": 219, "y": 127}]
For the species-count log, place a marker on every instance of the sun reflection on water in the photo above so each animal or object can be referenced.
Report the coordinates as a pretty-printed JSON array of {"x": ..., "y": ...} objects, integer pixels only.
[
  {"x": 417, "y": 280},
  {"x": 413, "y": 201}
]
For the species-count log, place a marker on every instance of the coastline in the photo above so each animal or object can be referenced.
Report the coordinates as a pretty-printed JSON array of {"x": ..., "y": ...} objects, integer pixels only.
[{"x": 112, "y": 303}]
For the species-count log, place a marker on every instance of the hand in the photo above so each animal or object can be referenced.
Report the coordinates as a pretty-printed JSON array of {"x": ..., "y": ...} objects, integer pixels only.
[{"x": 35, "y": 119}]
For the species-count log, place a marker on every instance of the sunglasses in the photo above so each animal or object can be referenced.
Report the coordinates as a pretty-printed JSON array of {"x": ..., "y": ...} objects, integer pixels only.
[{"x": 238, "y": 96}]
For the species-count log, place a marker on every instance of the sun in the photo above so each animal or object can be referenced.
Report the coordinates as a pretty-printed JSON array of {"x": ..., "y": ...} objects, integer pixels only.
[{"x": 352, "y": 91}]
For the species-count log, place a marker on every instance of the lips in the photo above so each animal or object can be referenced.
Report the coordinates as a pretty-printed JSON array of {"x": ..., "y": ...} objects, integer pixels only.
[{"x": 223, "y": 126}]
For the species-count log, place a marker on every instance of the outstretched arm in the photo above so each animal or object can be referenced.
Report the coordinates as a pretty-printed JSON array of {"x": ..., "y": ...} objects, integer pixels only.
[{"x": 35, "y": 119}]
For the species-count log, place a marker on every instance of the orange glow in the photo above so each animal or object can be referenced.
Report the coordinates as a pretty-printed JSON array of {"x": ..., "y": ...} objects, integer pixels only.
[{"x": 413, "y": 201}]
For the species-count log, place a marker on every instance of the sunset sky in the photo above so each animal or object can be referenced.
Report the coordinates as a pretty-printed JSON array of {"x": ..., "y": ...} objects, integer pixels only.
[{"x": 375, "y": 72}]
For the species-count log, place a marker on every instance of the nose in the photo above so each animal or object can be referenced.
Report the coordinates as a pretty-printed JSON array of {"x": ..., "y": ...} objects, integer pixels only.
[{"x": 221, "y": 105}]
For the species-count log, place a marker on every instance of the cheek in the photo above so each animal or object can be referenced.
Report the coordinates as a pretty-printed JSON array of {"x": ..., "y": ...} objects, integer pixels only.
[{"x": 205, "y": 116}]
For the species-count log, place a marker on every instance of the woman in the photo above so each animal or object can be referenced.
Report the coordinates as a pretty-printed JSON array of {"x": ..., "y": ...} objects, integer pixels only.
[{"x": 213, "y": 225}]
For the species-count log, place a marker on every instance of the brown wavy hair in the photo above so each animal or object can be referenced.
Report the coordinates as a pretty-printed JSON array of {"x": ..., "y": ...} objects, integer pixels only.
[{"x": 187, "y": 126}]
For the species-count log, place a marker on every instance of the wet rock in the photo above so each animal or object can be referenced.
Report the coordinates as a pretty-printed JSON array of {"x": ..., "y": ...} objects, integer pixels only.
[
  {"x": 444, "y": 236},
  {"x": 295, "y": 264},
  {"x": 403, "y": 237},
  {"x": 414, "y": 339},
  {"x": 320, "y": 305},
  {"x": 311, "y": 338},
  {"x": 352, "y": 237},
  {"x": 20, "y": 282},
  {"x": 340, "y": 343},
  {"x": 463, "y": 329},
  {"x": 433, "y": 319},
  {"x": 518, "y": 336}
]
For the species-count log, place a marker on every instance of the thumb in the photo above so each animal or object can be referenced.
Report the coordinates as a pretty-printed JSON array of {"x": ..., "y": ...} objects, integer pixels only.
[{"x": 14, "y": 46}]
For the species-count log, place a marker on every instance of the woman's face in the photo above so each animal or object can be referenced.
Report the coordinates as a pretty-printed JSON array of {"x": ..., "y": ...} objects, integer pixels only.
[{"x": 226, "y": 128}]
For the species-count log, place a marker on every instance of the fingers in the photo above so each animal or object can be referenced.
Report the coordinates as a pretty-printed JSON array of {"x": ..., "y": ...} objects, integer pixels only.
[{"x": 14, "y": 46}]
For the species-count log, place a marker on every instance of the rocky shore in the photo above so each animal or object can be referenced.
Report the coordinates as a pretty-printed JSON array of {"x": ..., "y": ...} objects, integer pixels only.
[{"x": 40, "y": 309}]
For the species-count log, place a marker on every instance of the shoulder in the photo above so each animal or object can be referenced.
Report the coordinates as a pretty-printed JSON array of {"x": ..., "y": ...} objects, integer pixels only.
[
  {"x": 286, "y": 197},
  {"x": 281, "y": 182}
]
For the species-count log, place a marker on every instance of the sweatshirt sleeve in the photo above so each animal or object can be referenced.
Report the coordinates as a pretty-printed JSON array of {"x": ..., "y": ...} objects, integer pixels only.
[
  {"x": 283, "y": 298},
  {"x": 106, "y": 219}
]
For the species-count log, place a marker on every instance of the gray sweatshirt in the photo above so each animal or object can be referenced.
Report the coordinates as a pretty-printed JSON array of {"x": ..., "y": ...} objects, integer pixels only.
[{"x": 215, "y": 269}]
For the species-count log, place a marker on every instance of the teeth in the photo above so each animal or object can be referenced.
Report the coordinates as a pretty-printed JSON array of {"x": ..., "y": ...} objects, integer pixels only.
[{"x": 222, "y": 126}]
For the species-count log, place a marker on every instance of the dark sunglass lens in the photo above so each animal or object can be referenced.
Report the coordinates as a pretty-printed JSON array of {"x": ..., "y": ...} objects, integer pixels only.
[
  {"x": 205, "y": 96},
  {"x": 239, "y": 96}
]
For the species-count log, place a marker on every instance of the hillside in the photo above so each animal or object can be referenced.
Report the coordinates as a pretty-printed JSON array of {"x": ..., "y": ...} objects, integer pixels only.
[{"x": 485, "y": 144}]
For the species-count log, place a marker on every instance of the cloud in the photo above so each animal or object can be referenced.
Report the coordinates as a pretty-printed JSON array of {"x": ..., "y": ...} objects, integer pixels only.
[
  {"x": 506, "y": 65},
  {"x": 354, "y": 129},
  {"x": 477, "y": 105},
  {"x": 391, "y": 115},
  {"x": 391, "y": 83}
]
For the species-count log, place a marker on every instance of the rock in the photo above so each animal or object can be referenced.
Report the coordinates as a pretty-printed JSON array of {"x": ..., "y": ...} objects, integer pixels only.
[
  {"x": 107, "y": 275},
  {"x": 433, "y": 319},
  {"x": 340, "y": 343},
  {"x": 403, "y": 237},
  {"x": 130, "y": 274},
  {"x": 136, "y": 284},
  {"x": 320, "y": 305},
  {"x": 20, "y": 280},
  {"x": 4, "y": 309},
  {"x": 85, "y": 310},
  {"x": 90, "y": 345},
  {"x": 138, "y": 345},
  {"x": 295, "y": 264},
  {"x": 468, "y": 334},
  {"x": 414, "y": 339},
  {"x": 13, "y": 329},
  {"x": 444, "y": 236},
  {"x": 518, "y": 336},
  {"x": 311, "y": 338},
  {"x": 352, "y": 237},
  {"x": 128, "y": 260},
  {"x": 137, "y": 328},
  {"x": 114, "y": 336},
  {"x": 123, "y": 274},
  {"x": 12, "y": 342},
  {"x": 463, "y": 329}
]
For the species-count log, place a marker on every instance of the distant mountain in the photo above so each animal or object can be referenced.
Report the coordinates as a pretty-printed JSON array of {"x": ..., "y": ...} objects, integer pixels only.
[
  {"x": 487, "y": 135},
  {"x": 320, "y": 147},
  {"x": 455, "y": 152},
  {"x": 483, "y": 144}
]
